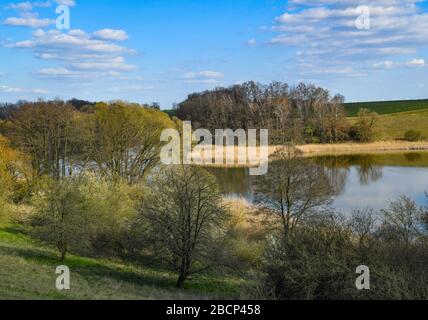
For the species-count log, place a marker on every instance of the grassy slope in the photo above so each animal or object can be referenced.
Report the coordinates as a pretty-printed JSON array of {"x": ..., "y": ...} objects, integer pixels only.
[
  {"x": 395, "y": 125},
  {"x": 387, "y": 107},
  {"x": 27, "y": 271}
]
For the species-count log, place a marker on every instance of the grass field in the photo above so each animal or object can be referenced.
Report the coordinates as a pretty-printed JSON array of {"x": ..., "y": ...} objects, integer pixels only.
[
  {"x": 393, "y": 126},
  {"x": 27, "y": 271},
  {"x": 386, "y": 107}
]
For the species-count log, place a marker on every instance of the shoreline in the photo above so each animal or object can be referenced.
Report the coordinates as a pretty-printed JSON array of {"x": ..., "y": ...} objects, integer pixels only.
[
  {"x": 362, "y": 148},
  {"x": 314, "y": 150}
]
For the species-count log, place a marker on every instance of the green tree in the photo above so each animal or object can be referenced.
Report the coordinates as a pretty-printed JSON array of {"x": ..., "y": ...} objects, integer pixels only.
[
  {"x": 47, "y": 131},
  {"x": 125, "y": 139},
  {"x": 83, "y": 214},
  {"x": 367, "y": 125}
]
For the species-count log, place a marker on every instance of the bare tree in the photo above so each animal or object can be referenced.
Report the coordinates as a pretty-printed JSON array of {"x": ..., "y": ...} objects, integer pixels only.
[
  {"x": 185, "y": 213},
  {"x": 402, "y": 220},
  {"x": 294, "y": 188},
  {"x": 363, "y": 225}
]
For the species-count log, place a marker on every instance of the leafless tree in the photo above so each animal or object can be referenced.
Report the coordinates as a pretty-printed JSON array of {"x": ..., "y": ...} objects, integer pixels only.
[
  {"x": 184, "y": 213},
  {"x": 294, "y": 189}
]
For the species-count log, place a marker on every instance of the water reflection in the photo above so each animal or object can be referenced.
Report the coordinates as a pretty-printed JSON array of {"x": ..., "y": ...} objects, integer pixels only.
[
  {"x": 358, "y": 181},
  {"x": 338, "y": 169}
]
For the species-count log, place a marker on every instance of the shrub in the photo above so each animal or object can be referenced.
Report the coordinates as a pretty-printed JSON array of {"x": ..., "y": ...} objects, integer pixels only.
[
  {"x": 412, "y": 135},
  {"x": 367, "y": 125},
  {"x": 83, "y": 214},
  {"x": 318, "y": 259}
]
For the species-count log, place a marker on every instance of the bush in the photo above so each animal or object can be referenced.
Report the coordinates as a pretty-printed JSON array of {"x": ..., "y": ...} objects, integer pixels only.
[
  {"x": 412, "y": 135},
  {"x": 367, "y": 125},
  {"x": 83, "y": 214},
  {"x": 317, "y": 261}
]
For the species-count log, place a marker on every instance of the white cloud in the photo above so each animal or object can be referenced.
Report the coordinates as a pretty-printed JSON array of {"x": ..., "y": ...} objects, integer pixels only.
[
  {"x": 79, "y": 54},
  {"x": 252, "y": 42},
  {"x": 29, "y": 21},
  {"x": 55, "y": 72},
  {"x": 391, "y": 64},
  {"x": 132, "y": 88},
  {"x": 111, "y": 34},
  {"x": 416, "y": 63},
  {"x": 69, "y": 3},
  {"x": 203, "y": 75},
  {"x": 385, "y": 65},
  {"x": 324, "y": 32},
  {"x": 28, "y": 6},
  {"x": 8, "y": 89}
]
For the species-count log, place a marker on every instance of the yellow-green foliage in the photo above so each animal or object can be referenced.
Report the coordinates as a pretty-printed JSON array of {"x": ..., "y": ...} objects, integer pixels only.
[
  {"x": 87, "y": 213},
  {"x": 247, "y": 232},
  {"x": 125, "y": 139},
  {"x": 10, "y": 166}
]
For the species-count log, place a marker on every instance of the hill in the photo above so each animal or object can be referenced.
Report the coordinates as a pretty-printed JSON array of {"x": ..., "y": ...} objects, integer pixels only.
[
  {"x": 386, "y": 107},
  {"x": 393, "y": 126}
]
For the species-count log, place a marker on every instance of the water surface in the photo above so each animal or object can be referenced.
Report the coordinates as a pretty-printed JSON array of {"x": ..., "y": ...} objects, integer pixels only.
[{"x": 358, "y": 181}]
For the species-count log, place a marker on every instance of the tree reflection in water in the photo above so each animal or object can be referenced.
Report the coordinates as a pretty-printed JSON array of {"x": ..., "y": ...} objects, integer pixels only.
[
  {"x": 368, "y": 169},
  {"x": 338, "y": 168}
]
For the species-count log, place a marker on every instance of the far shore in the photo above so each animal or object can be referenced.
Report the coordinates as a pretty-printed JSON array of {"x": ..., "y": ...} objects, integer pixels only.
[
  {"x": 313, "y": 150},
  {"x": 362, "y": 148}
]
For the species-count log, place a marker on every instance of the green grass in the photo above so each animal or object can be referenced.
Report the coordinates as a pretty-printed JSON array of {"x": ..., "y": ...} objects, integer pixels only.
[
  {"x": 27, "y": 271},
  {"x": 386, "y": 107},
  {"x": 394, "y": 126}
]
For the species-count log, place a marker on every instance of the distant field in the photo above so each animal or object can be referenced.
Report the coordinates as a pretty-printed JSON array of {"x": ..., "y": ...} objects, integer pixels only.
[
  {"x": 386, "y": 107},
  {"x": 394, "y": 126}
]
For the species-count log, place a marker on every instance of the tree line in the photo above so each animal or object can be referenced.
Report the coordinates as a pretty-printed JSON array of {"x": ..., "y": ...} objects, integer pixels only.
[
  {"x": 304, "y": 113},
  {"x": 120, "y": 139}
]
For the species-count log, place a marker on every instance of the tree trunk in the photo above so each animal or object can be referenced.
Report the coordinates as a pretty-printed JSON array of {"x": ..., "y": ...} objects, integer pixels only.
[
  {"x": 180, "y": 281},
  {"x": 63, "y": 250}
]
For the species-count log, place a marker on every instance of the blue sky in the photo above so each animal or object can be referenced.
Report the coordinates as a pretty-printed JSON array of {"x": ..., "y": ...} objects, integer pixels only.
[{"x": 162, "y": 50}]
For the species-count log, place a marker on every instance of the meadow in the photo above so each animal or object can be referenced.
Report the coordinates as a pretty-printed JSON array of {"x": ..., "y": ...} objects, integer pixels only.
[
  {"x": 386, "y": 107},
  {"x": 394, "y": 125},
  {"x": 28, "y": 272}
]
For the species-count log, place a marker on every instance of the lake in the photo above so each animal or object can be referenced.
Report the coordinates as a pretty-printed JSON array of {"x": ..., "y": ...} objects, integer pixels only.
[{"x": 359, "y": 181}]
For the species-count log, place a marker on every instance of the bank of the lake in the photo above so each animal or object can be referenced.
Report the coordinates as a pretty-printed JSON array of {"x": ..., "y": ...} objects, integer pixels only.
[
  {"x": 313, "y": 150},
  {"x": 362, "y": 148}
]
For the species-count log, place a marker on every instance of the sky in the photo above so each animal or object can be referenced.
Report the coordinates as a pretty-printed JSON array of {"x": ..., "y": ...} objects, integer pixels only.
[{"x": 162, "y": 50}]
